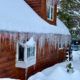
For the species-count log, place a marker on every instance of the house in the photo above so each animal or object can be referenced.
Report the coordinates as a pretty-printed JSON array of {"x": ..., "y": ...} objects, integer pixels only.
[{"x": 31, "y": 39}]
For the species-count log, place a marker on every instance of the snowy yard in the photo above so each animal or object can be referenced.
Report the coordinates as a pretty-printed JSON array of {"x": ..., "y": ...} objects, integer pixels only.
[{"x": 59, "y": 71}]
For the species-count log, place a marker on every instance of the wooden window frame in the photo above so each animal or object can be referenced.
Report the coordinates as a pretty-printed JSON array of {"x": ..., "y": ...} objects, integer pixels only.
[{"x": 44, "y": 12}]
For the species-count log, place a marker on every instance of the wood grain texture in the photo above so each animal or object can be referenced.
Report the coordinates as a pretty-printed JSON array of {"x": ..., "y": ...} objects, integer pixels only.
[
  {"x": 46, "y": 56},
  {"x": 39, "y": 6}
]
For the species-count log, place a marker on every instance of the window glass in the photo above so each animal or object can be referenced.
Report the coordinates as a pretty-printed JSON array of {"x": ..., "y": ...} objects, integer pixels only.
[
  {"x": 26, "y": 54},
  {"x": 49, "y": 5},
  {"x": 59, "y": 45},
  {"x": 51, "y": 13},
  {"x": 21, "y": 53},
  {"x": 30, "y": 52},
  {"x": 33, "y": 51}
]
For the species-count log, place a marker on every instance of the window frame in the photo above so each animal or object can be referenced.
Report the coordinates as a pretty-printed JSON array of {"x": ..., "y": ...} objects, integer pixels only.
[
  {"x": 60, "y": 45},
  {"x": 31, "y": 50},
  {"x": 27, "y": 61},
  {"x": 17, "y": 51},
  {"x": 31, "y": 60},
  {"x": 50, "y": 14},
  {"x": 50, "y": 11}
]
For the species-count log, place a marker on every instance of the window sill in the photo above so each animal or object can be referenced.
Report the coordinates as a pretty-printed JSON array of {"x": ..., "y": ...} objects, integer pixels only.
[
  {"x": 61, "y": 48},
  {"x": 50, "y": 19},
  {"x": 21, "y": 64}
]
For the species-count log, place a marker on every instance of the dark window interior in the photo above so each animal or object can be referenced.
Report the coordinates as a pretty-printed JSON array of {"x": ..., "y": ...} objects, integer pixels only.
[
  {"x": 21, "y": 53},
  {"x": 59, "y": 45}
]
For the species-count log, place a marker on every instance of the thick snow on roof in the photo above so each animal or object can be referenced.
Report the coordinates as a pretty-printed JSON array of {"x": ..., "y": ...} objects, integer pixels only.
[
  {"x": 31, "y": 42},
  {"x": 16, "y": 15}
]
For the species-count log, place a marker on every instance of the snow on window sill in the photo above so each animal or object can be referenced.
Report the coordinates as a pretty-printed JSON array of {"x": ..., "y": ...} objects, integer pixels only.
[
  {"x": 50, "y": 19},
  {"x": 61, "y": 48}
]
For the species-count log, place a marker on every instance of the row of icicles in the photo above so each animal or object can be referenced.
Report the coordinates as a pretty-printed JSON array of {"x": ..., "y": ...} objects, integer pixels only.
[{"x": 52, "y": 39}]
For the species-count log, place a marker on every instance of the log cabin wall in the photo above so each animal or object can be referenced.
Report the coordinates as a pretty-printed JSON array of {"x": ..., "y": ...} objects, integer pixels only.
[
  {"x": 39, "y": 6},
  {"x": 46, "y": 56},
  {"x": 35, "y": 5},
  {"x": 7, "y": 61}
]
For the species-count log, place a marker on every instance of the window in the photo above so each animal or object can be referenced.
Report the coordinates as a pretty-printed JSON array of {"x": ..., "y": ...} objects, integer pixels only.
[
  {"x": 21, "y": 53},
  {"x": 50, "y": 9},
  {"x": 26, "y": 54},
  {"x": 50, "y": 13},
  {"x": 60, "y": 44},
  {"x": 30, "y": 52}
]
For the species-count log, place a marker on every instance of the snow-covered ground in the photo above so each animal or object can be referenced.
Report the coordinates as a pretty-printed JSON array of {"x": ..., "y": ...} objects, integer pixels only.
[{"x": 59, "y": 71}]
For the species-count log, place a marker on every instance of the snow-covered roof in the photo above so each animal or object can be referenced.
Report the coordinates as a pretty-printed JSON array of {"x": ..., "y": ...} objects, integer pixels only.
[
  {"x": 18, "y": 16},
  {"x": 31, "y": 42}
]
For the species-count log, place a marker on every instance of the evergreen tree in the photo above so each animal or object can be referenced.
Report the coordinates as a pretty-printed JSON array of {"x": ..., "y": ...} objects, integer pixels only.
[{"x": 69, "y": 13}]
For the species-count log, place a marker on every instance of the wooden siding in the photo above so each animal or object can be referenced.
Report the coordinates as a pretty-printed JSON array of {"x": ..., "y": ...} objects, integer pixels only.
[
  {"x": 36, "y": 5},
  {"x": 39, "y": 6},
  {"x": 7, "y": 61},
  {"x": 46, "y": 56}
]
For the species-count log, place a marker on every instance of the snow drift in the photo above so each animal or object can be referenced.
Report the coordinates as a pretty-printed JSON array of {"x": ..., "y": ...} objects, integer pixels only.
[{"x": 59, "y": 71}]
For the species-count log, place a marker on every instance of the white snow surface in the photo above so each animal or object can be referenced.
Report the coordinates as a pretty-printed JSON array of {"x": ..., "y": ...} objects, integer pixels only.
[
  {"x": 18, "y": 16},
  {"x": 59, "y": 71},
  {"x": 31, "y": 42}
]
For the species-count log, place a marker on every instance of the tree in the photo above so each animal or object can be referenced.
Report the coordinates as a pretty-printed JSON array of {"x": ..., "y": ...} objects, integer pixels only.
[{"x": 69, "y": 13}]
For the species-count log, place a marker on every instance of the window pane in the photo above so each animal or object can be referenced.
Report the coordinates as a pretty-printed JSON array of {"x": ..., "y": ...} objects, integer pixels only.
[
  {"x": 59, "y": 45},
  {"x": 28, "y": 52},
  {"x": 51, "y": 13},
  {"x": 33, "y": 51},
  {"x": 48, "y": 12},
  {"x": 21, "y": 53},
  {"x": 49, "y": 7}
]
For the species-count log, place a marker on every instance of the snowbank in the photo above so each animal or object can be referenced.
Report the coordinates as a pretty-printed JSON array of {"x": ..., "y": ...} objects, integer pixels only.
[
  {"x": 59, "y": 71},
  {"x": 16, "y": 15},
  {"x": 76, "y": 56}
]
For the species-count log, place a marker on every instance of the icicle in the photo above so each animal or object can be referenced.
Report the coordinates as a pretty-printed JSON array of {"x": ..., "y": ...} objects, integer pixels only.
[
  {"x": 21, "y": 37},
  {"x": 10, "y": 39},
  {"x": 43, "y": 52},
  {"x": 14, "y": 39},
  {"x": 26, "y": 73},
  {"x": 14, "y": 36},
  {"x": 41, "y": 41},
  {"x": 0, "y": 38},
  {"x": 55, "y": 42},
  {"x": 5, "y": 37}
]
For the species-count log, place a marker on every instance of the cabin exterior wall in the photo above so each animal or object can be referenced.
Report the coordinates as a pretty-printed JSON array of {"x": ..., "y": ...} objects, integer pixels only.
[
  {"x": 39, "y": 6},
  {"x": 46, "y": 56}
]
